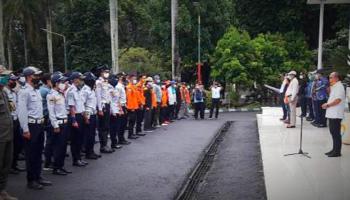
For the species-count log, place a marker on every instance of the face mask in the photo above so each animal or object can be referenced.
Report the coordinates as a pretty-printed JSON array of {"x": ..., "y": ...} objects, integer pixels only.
[
  {"x": 61, "y": 87},
  {"x": 35, "y": 81},
  {"x": 106, "y": 75},
  {"x": 12, "y": 84},
  {"x": 301, "y": 77},
  {"x": 134, "y": 82},
  {"x": 4, "y": 80}
]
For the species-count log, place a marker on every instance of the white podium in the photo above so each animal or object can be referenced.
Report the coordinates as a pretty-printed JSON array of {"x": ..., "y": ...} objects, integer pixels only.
[{"x": 345, "y": 128}]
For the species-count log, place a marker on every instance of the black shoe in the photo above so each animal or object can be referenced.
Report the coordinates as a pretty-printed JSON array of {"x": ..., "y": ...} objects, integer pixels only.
[
  {"x": 141, "y": 134},
  {"x": 44, "y": 182},
  {"x": 84, "y": 162},
  {"x": 116, "y": 147},
  {"x": 66, "y": 171},
  {"x": 34, "y": 185},
  {"x": 314, "y": 124},
  {"x": 20, "y": 169},
  {"x": 78, "y": 164},
  {"x": 59, "y": 172},
  {"x": 14, "y": 171},
  {"x": 132, "y": 137},
  {"x": 333, "y": 155},
  {"x": 329, "y": 153},
  {"x": 48, "y": 167},
  {"x": 309, "y": 119},
  {"x": 321, "y": 125},
  {"x": 124, "y": 142},
  {"x": 106, "y": 150},
  {"x": 91, "y": 157}
]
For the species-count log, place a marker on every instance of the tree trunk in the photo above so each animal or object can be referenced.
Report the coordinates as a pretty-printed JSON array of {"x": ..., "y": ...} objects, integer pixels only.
[
  {"x": 49, "y": 36},
  {"x": 113, "y": 6},
  {"x": 174, "y": 63},
  {"x": 9, "y": 46},
  {"x": 2, "y": 48},
  {"x": 25, "y": 46}
]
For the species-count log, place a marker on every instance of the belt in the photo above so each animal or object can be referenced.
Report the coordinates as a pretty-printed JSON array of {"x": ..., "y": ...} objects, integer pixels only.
[
  {"x": 36, "y": 121},
  {"x": 62, "y": 121}
]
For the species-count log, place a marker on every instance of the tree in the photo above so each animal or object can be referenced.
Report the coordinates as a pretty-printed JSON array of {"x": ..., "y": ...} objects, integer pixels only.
[
  {"x": 244, "y": 61},
  {"x": 140, "y": 60},
  {"x": 2, "y": 45}
]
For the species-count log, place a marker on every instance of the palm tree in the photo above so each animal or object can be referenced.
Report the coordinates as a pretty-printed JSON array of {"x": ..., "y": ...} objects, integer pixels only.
[
  {"x": 24, "y": 11},
  {"x": 2, "y": 46}
]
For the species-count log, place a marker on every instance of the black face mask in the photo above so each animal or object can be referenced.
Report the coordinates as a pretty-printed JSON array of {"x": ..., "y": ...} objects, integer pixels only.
[
  {"x": 12, "y": 85},
  {"x": 36, "y": 83}
]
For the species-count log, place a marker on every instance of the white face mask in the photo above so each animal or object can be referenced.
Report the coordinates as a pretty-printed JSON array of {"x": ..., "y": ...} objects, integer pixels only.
[
  {"x": 61, "y": 86},
  {"x": 106, "y": 75},
  {"x": 134, "y": 81}
]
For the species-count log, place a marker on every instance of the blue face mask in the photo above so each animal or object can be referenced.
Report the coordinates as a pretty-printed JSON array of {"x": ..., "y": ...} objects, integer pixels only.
[{"x": 4, "y": 80}]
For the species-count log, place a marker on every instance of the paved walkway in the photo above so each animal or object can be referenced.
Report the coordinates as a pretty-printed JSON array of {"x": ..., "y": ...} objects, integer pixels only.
[
  {"x": 237, "y": 171},
  {"x": 151, "y": 168},
  {"x": 296, "y": 177}
]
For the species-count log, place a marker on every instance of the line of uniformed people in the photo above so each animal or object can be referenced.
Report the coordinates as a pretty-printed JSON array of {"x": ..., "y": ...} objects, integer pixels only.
[{"x": 71, "y": 108}]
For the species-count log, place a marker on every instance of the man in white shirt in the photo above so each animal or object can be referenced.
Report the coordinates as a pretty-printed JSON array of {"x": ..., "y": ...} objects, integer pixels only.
[
  {"x": 335, "y": 107},
  {"x": 215, "y": 97},
  {"x": 292, "y": 97}
]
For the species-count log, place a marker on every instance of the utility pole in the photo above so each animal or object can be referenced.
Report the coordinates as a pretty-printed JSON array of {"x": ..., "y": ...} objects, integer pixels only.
[
  {"x": 113, "y": 6},
  {"x": 320, "y": 36},
  {"x": 64, "y": 46}
]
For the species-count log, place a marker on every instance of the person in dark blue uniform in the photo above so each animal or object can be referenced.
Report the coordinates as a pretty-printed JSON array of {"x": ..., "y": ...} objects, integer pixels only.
[{"x": 31, "y": 119}]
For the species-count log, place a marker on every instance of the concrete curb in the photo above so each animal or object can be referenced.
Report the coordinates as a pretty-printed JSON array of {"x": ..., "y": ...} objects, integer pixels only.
[{"x": 234, "y": 110}]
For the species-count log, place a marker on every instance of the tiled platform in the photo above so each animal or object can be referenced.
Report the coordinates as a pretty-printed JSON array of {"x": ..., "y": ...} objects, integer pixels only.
[{"x": 297, "y": 177}]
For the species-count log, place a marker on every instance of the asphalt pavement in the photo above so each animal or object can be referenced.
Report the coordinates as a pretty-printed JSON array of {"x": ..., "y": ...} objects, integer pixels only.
[
  {"x": 151, "y": 168},
  {"x": 237, "y": 171}
]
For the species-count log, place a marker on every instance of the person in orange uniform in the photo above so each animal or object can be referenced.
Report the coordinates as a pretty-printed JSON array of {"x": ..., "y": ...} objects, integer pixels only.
[
  {"x": 185, "y": 101},
  {"x": 132, "y": 105},
  {"x": 164, "y": 106},
  {"x": 140, "y": 111}
]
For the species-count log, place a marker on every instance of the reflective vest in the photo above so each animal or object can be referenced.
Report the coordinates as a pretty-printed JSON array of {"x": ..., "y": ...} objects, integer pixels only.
[{"x": 132, "y": 97}]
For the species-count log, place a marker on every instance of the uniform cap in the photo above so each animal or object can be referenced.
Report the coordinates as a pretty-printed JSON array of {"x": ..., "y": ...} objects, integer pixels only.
[
  {"x": 57, "y": 77},
  {"x": 28, "y": 71},
  {"x": 76, "y": 75},
  {"x": 292, "y": 73},
  {"x": 89, "y": 76}
]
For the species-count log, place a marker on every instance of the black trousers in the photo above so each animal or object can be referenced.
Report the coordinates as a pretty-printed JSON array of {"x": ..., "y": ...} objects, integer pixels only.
[
  {"x": 177, "y": 108},
  {"x": 163, "y": 115},
  {"x": 284, "y": 107},
  {"x": 90, "y": 132},
  {"x": 303, "y": 105},
  {"x": 320, "y": 113},
  {"x": 115, "y": 125},
  {"x": 199, "y": 108},
  {"x": 59, "y": 144},
  {"x": 310, "y": 108},
  {"x": 48, "y": 148},
  {"x": 18, "y": 142},
  {"x": 104, "y": 125},
  {"x": 132, "y": 121},
  {"x": 171, "y": 112},
  {"x": 140, "y": 113},
  {"x": 215, "y": 104},
  {"x": 33, "y": 149},
  {"x": 335, "y": 129},
  {"x": 123, "y": 120},
  {"x": 148, "y": 119},
  {"x": 76, "y": 137}
]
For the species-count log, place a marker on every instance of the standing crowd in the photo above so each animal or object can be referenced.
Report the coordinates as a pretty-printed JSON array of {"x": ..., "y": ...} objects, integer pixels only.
[
  {"x": 319, "y": 97},
  {"x": 49, "y": 112}
]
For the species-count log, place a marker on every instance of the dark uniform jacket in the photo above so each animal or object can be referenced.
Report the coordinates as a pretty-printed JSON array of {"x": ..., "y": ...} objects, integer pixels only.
[{"x": 6, "y": 123}]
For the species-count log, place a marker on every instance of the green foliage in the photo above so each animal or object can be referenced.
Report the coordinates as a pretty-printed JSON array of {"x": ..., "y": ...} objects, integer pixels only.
[
  {"x": 245, "y": 61},
  {"x": 141, "y": 60}
]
